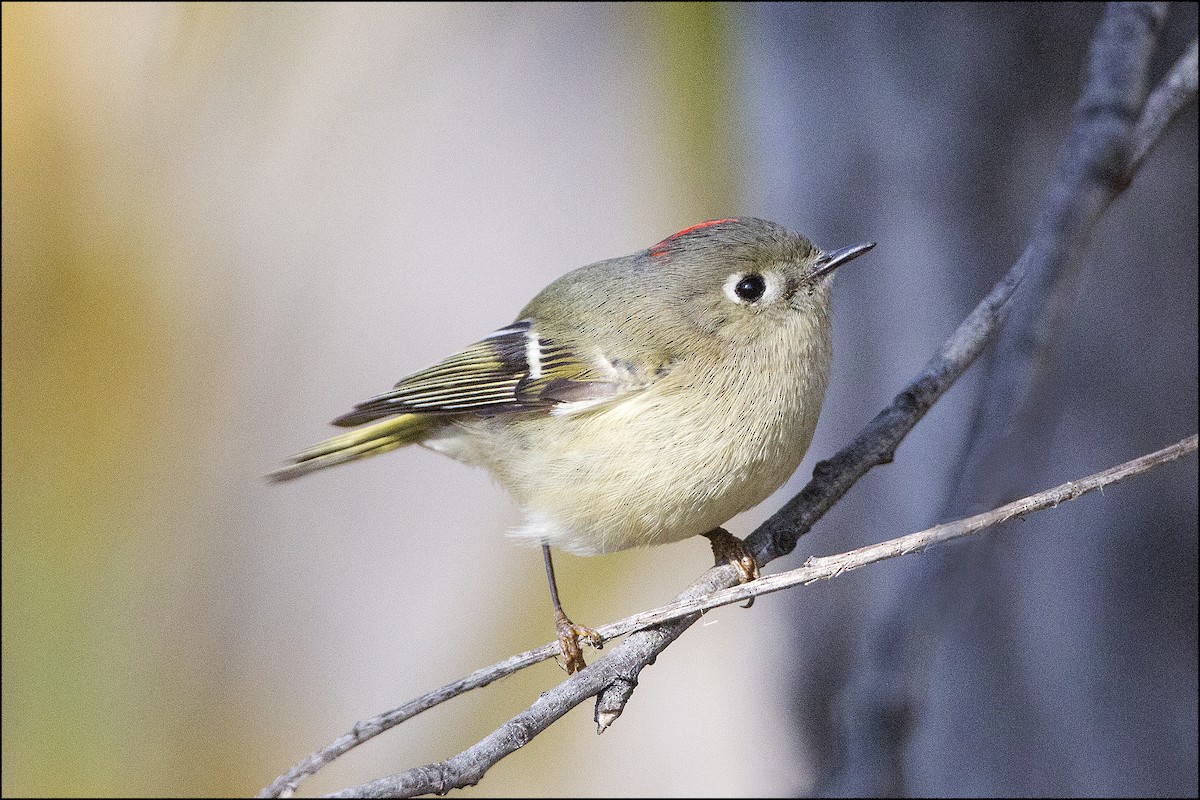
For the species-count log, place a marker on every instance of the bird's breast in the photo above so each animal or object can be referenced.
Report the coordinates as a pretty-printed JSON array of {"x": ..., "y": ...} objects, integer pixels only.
[{"x": 671, "y": 461}]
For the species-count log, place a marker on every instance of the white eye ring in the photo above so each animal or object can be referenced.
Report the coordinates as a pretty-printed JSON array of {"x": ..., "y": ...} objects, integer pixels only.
[{"x": 771, "y": 285}]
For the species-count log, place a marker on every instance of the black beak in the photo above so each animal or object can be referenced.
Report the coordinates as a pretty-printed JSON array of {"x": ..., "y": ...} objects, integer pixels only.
[{"x": 828, "y": 263}]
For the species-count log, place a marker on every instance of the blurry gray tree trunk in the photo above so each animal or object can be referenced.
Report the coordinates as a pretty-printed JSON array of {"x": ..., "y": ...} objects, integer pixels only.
[{"x": 1060, "y": 657}]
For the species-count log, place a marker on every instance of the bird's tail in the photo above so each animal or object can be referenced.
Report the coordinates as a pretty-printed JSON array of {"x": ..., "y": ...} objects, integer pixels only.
[{"x": 369, "y": 440}]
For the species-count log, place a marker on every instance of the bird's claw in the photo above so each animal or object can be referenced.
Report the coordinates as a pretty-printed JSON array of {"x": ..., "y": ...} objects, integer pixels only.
[
  {"x": 569, "y": 635},
  {"x": 727, "y": 548}
]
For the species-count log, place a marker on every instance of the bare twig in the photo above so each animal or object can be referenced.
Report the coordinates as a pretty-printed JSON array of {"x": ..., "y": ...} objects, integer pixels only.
[
  {"x": 468, "y": 767},
  {"x": 815, "y": 568},
  {"x": 286, "y": 784},
  {"x": 1095, "y": 166},
  {"x": 1176, "y": 91},
  {"x": 1070, "y": 210}
]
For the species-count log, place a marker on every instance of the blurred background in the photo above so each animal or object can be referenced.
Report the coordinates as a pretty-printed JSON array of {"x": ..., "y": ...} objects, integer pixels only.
[{"x": 223, "y": 225}]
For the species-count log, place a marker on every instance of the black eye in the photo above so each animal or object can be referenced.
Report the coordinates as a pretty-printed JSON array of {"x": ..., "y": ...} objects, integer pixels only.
[{"x": 751, "y": 288}]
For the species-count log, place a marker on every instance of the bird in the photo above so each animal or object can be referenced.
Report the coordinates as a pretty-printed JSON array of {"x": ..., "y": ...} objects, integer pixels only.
[{"x": 636, "y": 401}]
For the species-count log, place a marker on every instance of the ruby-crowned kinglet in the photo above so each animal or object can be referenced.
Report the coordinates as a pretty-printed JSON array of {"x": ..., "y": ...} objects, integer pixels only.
[{"x": 635, "y": 401}]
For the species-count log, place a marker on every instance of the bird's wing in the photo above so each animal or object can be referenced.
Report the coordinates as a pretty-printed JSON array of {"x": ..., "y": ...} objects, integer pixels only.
[{"x": 512, "y": 370}]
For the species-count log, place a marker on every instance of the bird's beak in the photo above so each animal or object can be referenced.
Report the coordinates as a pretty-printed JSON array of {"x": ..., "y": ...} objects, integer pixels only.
[{"x": 831, "y": 261}]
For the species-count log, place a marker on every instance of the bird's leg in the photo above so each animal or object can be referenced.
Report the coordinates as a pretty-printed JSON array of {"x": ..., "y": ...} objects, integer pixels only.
[
  {"x": 568, "y": 632},
  {"x": 728, "y": 548}
]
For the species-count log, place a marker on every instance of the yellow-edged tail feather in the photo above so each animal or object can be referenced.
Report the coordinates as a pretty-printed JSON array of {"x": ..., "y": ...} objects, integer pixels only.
[{"x": 380, "y": 437}]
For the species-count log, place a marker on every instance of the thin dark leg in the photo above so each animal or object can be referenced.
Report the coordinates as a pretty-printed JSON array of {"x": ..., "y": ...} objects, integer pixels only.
[{"x": 550, "y": 577}]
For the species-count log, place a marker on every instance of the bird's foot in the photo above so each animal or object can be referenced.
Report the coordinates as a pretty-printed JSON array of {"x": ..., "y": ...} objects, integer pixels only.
[
  {"x": 569, "y": 635},
  {"x": 727, "y": 548}
]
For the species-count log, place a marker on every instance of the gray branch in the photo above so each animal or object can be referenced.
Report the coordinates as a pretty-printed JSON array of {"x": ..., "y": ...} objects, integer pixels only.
[
  {"x": 1172, "y": 96},
  {"x": 1095, "y": 166},
  {"x": 468, "y": 767},
  {"x": 1102, "y": 155}
]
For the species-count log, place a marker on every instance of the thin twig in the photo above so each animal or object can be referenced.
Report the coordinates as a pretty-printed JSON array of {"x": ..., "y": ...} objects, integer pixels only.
[
  {"x": 815, "y": 568},
  {"x": 472, "y": 763},
  {"x": 285, "y": 785},
  {"x": 1176, "y": 91}
]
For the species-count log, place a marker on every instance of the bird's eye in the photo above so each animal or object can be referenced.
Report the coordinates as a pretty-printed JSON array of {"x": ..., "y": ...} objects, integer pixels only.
[{"x": 751, "y": 288}]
